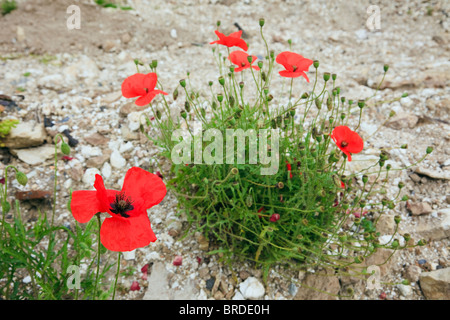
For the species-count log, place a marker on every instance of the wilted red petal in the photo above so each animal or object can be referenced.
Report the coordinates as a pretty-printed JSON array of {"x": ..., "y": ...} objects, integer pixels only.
[
  {"x": 144, "y": 269},
  {"x": 126, "y": 234},
  {"x": 275, "y": 217},
  {"x": 178, "y": 261},
  {"x": 135, "y": 286}
]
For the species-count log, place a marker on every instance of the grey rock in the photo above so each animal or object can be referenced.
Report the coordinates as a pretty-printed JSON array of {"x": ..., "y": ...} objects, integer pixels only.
[
  {"x": 435, "y": 285},
  {"x": 25, "y": 135}
]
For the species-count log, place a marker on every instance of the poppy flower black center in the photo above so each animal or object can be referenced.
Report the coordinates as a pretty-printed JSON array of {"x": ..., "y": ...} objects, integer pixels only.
[
  {"x": 146, "y": 90},
  {"x": 121, "y": 205},
  {"x": 344, "y": 144},
  {"x": 243, "y": 64},
  {"x": 295, "y": 68}
]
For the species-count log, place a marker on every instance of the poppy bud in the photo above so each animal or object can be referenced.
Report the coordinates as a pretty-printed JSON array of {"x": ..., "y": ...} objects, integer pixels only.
[
  {"x": 289, "y": 42},
  {"x": 263, "y": 76},
  {"x": 292, "y": 112},
  {"x": 429, "y": 150},
  {"x": 365, "y": 178},
  {"x": 158, "y": 114},
  {"x": 407, "y": 237},
  {"x": 231, "y": 101},
  {"x": 183, "y": 114},
  {"x": 381, "y": 163},
  {"x": 331, "y": 120},
  {"x": 342, "y": 99},
  {"x": 326, "y": 76},
  {"x": 183, "y": 83},
  {"x": 401, "y": 185},
  {"x": 273, "y": 124},
  {"x": 266, "y": 90},
  {"x": 405, "y": 198},
  {"x": 392, "y": 113},
  {"x": 334, "y": 76},
  {"x": 260, "y": 64},
  {"x": 21, "y": 178},
  {"x": 187, "y": 106},
  {"x": 154, "y": 64},
  {"x": 388, "y": 167},
  {"x": 405, "y": 95},
  {"x": 269, "y": 97},
  {"x": 359, "y": 259},
  {"x": 391, "y": 205},
  {"x": 214, "y": 105},
  {"x": 338, "y": 90},
  {"x": 422, "y": 242},
  {"x": 65, "y": 148},
  {"x": 361, "y": 103},
  {"x": 397, "y": 219},
  {"x": 221, "y": 80},
  {"x": 5, "y": 207},
  {"x": 350, "y": 102},
  {"x": 203, "y": 112},
  {"x": 334, "y": 92},
  {"x": 318, "y": 103},
  {"x": 316, "y": 64},
  {"x": 249, "y": 201},
  {"x": 404, "y": 146},
  {"x": 218, "y": 23},
  {"x": 241, "y": 84},
  {"x": 395, "y": 243},
  {"x": 342, "y": 116},
  {"x": 175, "y": 94},
  {"x": 231, "y": 69},
  {"x": 305, "y": 95},
  {"x": 220, "y": 97},
  {"x": 272, "y": 54},
  {"x": 261, "y": 22},
  {"x": 386, "y": 67}
]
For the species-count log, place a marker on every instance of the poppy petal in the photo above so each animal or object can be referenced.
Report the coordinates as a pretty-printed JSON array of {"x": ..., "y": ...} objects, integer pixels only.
[
  {"x": 145, "y": 186},
  {"x": 149, "y": 81},
  {"x": 126, "y": 234},
  {"x": 146, "y": 99},
  {"x": 84, "y": 205},
  {"x": 133, "y": 86}
]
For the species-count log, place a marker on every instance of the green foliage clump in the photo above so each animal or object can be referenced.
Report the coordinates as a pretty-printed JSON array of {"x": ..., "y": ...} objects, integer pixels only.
[
  {"x": 6, "y": 126},
  {"x": 7, "y": 6},
  {"x": 313, "y": 211}
]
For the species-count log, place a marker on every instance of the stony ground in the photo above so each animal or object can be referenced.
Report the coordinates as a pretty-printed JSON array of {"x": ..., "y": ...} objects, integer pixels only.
[{"x": 69, "y": 81}]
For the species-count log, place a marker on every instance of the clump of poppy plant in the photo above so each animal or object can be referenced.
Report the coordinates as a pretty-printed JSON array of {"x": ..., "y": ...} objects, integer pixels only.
[{"x": 298, "y": 214}]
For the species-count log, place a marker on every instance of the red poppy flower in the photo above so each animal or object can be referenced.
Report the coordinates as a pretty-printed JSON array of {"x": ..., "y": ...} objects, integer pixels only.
[
  {"x": 289, "y": 168},
  {"x": 233, "y": 40},
  {"x": 128, "y": 227},
  {"x": 295, "y": 65},
  {"x": 240, "y": 58},
  {"x": 275, "y": 217},
  {"x": 142, "y": 86},
  {"x": 347, "y": 140}
]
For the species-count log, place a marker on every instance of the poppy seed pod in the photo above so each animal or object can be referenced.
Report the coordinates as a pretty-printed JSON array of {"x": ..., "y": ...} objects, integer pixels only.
[
  {"x": 260, "y": 64},
  {"x": 183, "y": 83},
  {"x": 6, "y": 207},
  {"x": 218, "y": 23},
  {"x": 326, "y": 76},
  {"x": 407, "y": 237},
  {"x": 405, "y": 95},
  {"x": 261, "y": 22},
  {"x": 220, "y": 97},
  {"x": 422, "y": 242},
  {"x": 154, "y": 64},
  {"x": 305, "y": 95},
  {"x": 241, "y": 84},
  {"x": 210, "y": 83},
  {"x": 334, "y": 76},
  {"x": 316, "y": 64},
  {"x": 397, "y": 219},
  {"x": 429, "y": 150},
  {"x": 221, "y": 80},
  {"x": 386, "y": 68},
  {"x": 183, "y": 114},
  {"x": 361, "y": 103}
]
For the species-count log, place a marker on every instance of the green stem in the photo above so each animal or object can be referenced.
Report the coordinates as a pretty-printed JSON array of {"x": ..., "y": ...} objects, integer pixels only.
[
  {"x": 117, "y": 276},
  {"x": 98, "y": 256}
]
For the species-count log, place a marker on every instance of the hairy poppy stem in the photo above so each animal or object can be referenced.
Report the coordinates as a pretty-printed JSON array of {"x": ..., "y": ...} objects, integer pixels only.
[
  {"x": 98, "y": 256},
  {"x": 117, "y": 276}
]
